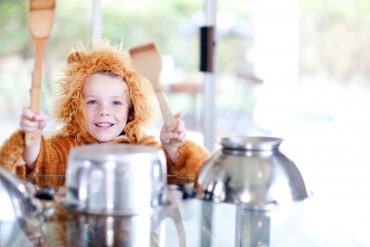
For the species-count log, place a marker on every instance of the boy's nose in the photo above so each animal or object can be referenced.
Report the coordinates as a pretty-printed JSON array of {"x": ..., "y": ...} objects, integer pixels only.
[{"x": 103, "y": 111}]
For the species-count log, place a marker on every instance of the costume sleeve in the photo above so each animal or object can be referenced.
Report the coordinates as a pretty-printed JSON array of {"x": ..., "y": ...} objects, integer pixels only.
[
  {"x": 12, "y": 151},
  {"x": 190, "y": 159},
  {"x": 52, "y": 159}
]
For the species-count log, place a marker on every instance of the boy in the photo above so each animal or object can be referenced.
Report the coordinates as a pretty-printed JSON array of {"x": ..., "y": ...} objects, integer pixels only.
[{"x": 101, "y": 100}]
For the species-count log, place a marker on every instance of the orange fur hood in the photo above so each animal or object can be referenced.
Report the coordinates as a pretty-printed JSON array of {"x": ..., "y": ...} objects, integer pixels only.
[{"x": 82, "y": 63}]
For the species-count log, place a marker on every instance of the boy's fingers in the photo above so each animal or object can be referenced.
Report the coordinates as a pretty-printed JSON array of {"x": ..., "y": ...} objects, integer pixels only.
[
  {"x": 28, "y": 125},
  {"x": 42, "y": 123},
  {"x": 181, "y": 136},
  {"x": 166, "y": 141},
  {"x": 167, "y": 137},
  {"x": 172, "y": 135},
  {"x": 40, "y": 117},
  {"x": 178, "y": 115},
  {"x": 181, "y": 125},
  {"x": 28, "y": 113},
  {"x": 27, "y": 121}
]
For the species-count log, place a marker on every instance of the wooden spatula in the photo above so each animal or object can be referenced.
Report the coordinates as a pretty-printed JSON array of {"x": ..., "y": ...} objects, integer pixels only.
[
  {"x": 41, "y": 19},
  {"x": 148, "y": 63}
]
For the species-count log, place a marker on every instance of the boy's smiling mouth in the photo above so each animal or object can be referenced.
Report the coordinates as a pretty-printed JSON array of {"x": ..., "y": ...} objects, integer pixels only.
[{"x": 104, "y": 124}]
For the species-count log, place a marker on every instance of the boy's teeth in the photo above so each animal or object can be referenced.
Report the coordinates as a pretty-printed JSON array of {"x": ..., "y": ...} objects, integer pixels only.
[{"x": 104, "y": 124}]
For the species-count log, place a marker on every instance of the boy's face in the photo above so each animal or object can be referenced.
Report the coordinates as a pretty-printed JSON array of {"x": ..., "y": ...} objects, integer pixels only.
[{"x": 107, "y": 106}]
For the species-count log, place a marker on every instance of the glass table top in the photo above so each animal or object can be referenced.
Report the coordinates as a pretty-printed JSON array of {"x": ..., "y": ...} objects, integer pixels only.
[{"x": 183, "y": 222}]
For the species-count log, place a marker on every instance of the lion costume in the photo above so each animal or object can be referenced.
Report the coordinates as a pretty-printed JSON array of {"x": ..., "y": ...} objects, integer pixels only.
[{"x": 70, "y": 112}]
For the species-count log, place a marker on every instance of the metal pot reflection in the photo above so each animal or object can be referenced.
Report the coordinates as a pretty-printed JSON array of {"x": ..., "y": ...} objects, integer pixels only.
[
  {"x": 99, "y": 230},
  {"x": 84, "y": 229}
]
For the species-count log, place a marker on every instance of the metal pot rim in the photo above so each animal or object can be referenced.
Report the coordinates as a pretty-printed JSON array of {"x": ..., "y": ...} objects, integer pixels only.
[
  {"x": 111, "y": 151},
  {"x": 262, "y": 143}
]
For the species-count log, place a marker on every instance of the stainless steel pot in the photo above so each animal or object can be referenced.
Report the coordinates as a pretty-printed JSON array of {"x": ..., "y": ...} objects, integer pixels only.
[
  {"x": 20, "y": 209},
  {"x": 115, "y": 179},
  {"x": 122, "y": 180},
  {"x": 15, "y": 197}
]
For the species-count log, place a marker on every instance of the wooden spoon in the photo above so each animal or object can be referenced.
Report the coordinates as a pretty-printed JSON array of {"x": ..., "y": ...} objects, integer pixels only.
[
  {"x": 147, "y": 62},
  {"x": 41, "y": 19}
]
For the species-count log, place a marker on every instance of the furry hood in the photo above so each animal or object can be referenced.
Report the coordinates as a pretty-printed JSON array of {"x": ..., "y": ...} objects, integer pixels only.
[{"x": 83, "y": 62}]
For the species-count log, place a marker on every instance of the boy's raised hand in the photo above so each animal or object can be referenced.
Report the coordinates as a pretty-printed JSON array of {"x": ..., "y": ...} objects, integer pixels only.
[
  {"x": 31, "y": 121},
  {"x": 178, "y": 134},
  {"x": 172, "y": 139}
]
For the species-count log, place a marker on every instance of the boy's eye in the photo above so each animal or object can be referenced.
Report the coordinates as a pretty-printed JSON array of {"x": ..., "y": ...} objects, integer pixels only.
[
  {"x": 117, "y": 102},
  {"x": 91, "y": 102}
]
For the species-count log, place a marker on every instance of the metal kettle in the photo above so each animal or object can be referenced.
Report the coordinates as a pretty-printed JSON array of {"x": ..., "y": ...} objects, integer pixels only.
[{"x": 252, "y": 172}]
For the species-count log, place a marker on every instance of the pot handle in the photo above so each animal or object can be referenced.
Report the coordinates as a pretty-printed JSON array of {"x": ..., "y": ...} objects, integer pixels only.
[
  {"x": 171, "y": 210},
  {"x": 159, "y": 171}
]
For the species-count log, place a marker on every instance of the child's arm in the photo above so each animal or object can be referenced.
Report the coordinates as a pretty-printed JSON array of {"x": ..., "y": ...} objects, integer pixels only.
[
  {"x": 30, "y": 122},
  {"x": 177, "y": 136}
]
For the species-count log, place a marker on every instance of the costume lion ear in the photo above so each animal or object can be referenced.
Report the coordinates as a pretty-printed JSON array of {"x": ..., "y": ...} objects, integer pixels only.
[{"x": 75, "y": 56}]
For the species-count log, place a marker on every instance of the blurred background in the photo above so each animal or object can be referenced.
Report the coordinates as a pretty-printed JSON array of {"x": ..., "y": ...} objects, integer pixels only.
[{"x": 296, "y": 69}]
